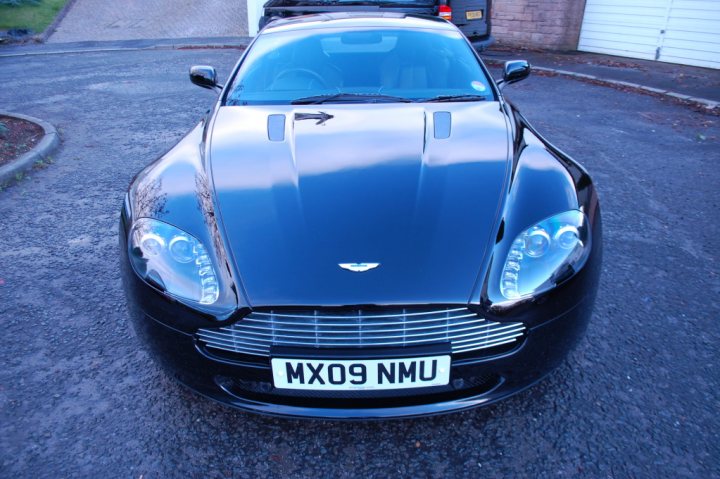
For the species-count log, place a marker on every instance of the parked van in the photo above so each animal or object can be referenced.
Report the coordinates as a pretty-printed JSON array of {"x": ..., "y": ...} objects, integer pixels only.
[{"x": 472, "y": 17}]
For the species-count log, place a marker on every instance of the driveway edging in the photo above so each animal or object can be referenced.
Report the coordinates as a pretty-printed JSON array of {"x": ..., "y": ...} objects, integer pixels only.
[
  {"x": 50, "y": 29},
  {"x": 705, "y": 103},
  {"x": 42, "y": 150}
]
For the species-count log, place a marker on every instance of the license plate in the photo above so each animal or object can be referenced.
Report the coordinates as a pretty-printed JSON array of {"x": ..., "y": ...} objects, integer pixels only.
[
  {"x": 365, "y": 374},
  {"x": 474, "y": 14}
]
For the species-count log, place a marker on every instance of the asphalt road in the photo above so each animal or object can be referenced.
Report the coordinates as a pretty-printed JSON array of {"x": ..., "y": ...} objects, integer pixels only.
[{"x": 79, "y": 397}]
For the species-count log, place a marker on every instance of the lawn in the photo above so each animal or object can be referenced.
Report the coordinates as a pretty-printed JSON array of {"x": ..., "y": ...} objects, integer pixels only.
[{"x": 35, "y": 17}]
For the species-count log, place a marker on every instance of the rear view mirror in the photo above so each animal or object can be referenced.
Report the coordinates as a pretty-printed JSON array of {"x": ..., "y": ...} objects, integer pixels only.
[
  {"x": 204, "y": 76},
  {"x": 361, "y": 38},
  {"x": 515, "y": 71}
]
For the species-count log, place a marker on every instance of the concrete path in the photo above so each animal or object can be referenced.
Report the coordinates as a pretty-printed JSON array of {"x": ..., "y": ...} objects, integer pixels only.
[{"x": 141, "y": 19}]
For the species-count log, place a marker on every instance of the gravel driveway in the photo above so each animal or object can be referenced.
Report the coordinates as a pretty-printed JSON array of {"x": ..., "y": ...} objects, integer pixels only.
[
  {"x": 98, "y": 20},
  {"x": 79, "y": 398}
]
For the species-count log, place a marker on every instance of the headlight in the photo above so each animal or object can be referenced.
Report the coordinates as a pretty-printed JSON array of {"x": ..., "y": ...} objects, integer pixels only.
[
  {"x": 545, "y": 254},
  {"x": 174, "y": 261}
]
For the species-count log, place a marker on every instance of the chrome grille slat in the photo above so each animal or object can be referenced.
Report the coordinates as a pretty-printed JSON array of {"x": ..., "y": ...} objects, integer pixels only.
[
  {"x": 498, "y": 332},
  {"x": 262, "y": 337},
  {"x": 361, "y": 333},
  {"x": 365, "y": 316},
  {"x": 304, "y": 319},
  {"x": 310, "y": 341},
  {"x": 483, "y": 346},
  {"x": 259, "y": 331},
  {"x": 340, "y": 329}
]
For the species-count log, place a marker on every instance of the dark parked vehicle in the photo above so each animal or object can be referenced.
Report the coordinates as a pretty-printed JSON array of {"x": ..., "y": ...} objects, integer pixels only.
[
  {"x": 362, "y": 226},
  {"x": 472, "y": 17}
]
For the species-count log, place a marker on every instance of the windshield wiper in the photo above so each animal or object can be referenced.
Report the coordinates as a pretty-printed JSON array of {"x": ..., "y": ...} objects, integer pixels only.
[
  {"x": 349, "y": 97},
  {"x": 449, "y": 98}
]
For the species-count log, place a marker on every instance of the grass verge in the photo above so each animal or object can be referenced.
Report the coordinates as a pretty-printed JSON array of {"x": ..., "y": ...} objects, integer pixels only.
[{"x": 32, "y": 17}]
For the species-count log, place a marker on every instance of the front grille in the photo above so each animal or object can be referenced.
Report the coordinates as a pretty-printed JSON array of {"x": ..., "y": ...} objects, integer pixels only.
[{"x": 387, "y": 327}]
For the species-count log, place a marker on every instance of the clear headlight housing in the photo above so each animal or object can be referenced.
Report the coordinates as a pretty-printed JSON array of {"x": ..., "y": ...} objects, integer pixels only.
[
  {"x": 545, "y": 254},
  {"x": 173, "y": 261}
]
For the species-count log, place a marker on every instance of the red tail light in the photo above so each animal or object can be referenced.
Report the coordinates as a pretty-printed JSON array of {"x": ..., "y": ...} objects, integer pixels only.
[{"x": 445, "y": 12}]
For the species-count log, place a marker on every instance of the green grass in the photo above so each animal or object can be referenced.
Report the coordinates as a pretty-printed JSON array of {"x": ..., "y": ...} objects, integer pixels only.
[{"x": 33, "y": 17}]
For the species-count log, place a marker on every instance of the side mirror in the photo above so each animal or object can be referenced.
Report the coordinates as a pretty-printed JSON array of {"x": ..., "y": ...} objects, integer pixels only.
[
  {"x": 515, "y": 71},
  {"x": 204, "y": 76}
]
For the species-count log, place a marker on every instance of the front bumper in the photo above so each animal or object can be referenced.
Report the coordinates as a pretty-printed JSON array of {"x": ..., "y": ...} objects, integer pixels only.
[{"x": 473, "y": 382}]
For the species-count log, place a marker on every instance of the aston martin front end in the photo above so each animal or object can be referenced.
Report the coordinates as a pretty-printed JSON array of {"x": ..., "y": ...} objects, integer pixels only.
[{"x": 361, "y": 227}]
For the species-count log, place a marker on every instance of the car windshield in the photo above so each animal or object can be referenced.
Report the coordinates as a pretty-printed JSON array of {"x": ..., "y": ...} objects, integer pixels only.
[{"x": 360, "y": 66}]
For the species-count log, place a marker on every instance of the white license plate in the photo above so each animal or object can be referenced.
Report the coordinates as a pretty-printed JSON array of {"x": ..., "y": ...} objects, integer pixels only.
[
  {"x": 474, "y": 14},
  {"x": 360, "y": 374}
]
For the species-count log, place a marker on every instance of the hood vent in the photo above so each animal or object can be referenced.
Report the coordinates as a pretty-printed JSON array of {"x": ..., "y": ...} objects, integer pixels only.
[
  {"x": 442, "y": 122},
  {"x": 276, "y": 127}
]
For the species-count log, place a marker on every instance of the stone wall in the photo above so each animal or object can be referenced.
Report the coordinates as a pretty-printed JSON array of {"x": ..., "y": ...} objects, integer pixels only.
[{"x": 546, "y": 24}]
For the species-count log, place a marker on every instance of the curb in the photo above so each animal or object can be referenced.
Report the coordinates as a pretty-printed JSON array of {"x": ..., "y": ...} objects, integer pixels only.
[
  {"x": 42, "y": 150},
  {"x": 116, "y": 46},
  {"x": 704, "y": 103}
]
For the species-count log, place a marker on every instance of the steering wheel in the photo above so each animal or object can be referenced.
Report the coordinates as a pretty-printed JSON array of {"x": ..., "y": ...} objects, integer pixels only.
[{"x": 302, "y": 72}]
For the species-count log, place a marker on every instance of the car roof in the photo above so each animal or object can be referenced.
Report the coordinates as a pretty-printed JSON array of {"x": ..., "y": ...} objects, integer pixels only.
[{"x": 352, "y": 20}]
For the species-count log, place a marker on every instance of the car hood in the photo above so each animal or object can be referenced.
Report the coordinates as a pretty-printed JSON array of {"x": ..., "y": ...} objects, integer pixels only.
[{"x": 370, "y": 184}]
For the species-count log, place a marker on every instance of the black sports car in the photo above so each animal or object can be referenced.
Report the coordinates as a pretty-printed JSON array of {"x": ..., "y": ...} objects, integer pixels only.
[{"x": 361, "y": 227}]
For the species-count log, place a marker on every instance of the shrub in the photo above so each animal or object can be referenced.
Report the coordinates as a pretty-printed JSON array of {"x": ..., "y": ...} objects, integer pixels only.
[{"x": 17, "y": 3}]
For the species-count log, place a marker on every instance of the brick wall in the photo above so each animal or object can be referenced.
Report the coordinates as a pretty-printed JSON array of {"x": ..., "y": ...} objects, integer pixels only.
[{"x": 548, "y": 24}]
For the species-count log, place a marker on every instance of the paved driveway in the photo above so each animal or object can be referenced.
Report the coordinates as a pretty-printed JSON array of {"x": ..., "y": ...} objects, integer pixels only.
[
  {"x": 98, "y": 20},
  {"x": 79, "y": 398}
]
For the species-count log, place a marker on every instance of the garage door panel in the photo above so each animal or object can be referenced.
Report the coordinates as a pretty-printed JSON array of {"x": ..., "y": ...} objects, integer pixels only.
[
  {"x": 653, "y": 11},
  {"x": 704, "y": 41},
  {"x": 680, "y": 31},
  {"x": 693, "y": 15},
  {"x": 624, "y": 52},
  {"x": 628, "y": 21},
  {"x": 691, "y": 54},
  {"x": 626, "y": 3},
  {"x": 626, "y": 18},
  {"x": 687, "y": 53},
  {"x": 702, "y": 5},
  {"x": 693, "y": 25},
  {"x": 637, "y": 43},
  {"x": 596, "y": 30},
  {"x": 620, "y": 44},
  {"x": 690, "y": 61},
  {"x": 622, "y": 48}
]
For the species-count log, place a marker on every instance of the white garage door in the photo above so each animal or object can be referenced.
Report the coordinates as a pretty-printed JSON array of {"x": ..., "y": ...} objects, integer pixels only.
[{"x": 676, "y": 31}]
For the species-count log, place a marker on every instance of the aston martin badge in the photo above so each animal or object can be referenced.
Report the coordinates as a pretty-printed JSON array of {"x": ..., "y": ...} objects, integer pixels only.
[{"x": 358, "y": 267}]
